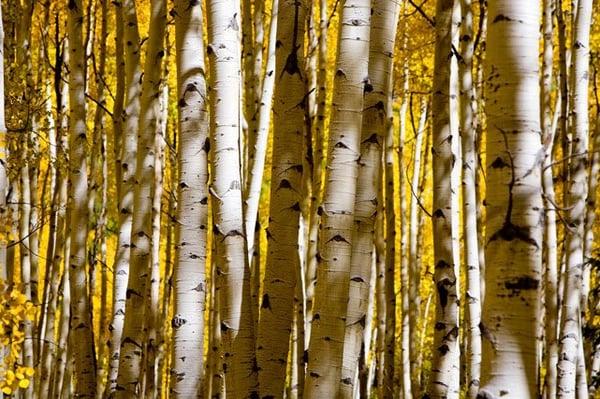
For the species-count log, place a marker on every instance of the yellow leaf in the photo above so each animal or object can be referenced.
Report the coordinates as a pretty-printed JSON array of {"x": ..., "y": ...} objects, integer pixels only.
[
  {"x": 7, "y": 390},
  {"x": 29, "y": 372},
  {"x": 23, "y": 384}
]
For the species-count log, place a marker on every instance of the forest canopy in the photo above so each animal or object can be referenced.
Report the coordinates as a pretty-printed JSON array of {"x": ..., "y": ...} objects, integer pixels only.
[{"x": 299, "y": 199}]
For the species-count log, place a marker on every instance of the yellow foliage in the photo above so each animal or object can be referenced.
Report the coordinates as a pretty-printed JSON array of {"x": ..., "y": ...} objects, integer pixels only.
[{"x": 14, "y": 310}]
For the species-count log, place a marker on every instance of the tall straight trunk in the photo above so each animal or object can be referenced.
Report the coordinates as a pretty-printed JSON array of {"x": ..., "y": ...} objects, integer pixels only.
[
  {"x": 550, "y": 235},
  {"x": 570, "y": 332},
  {"x": 235, "y": 311},
  {"x": 338, "y": 206},
  {"x": 513, "y": 199},
  {"x": 384, "y": 19},
  {"x": 189, "y": 280},
  {"x": 130, "y": 362},
  {"x": 127, "y": 166},
  {"x": 50, "y": 349},
  {"x": 469, "y": 172},
  {"x": 81, "y": 329},
  {"x": 445, "y": 368},
  {"x": 277, "y": 304},
  {"x": 119, "y": 100},
  {"x": 410, "y": 371}
]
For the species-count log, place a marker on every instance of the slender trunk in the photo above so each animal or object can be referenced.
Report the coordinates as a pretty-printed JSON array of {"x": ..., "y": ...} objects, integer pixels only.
[
  {"x": 337, "y": 209},
  {"x": 192, "y": 212},
  {"x": 514, "y": 202},
  {"x": 410, "y": 372},
  {"x": 570, "y": 332},
  {"x": 127, "y": 167},
  {"x": 550, "y": 236},
  {"x": 445, "y": 369},
  {"x": 235, "y": 309},
  {"x": 257, "y": 161},
  {"x": 130, "y": 362},
  {"x": 384, "y": 19},
  {"x": 81, "y": 329},
  {"x": 277, "y": 305},
  {"x": 469, "y": 171}
]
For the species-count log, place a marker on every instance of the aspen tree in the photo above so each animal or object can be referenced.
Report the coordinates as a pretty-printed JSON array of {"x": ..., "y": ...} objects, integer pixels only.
[
  {"x": 236, "y": 324},
  {"x": 570, "y": 332},
  {"x": 130, "y": 359},
  {"x": 384, "y": 19},
  {"x": 50, "y": 350},
  {"x": 469, "y": 171},
  {"x": 414, "y": 264},
  {"x": 390, "y": 245},
  {"x": 282, "y": 263},
  {"x": 444, "y": 379},
  {"x": 337, "y": 209},
  {"x": 127, "y": 167},
  {"x": 317, "y": 169},
  {"x": 258, "y": 158},
  {"x": 513, "y": 199},
  {"x": 550, "y": 236},
  {"x": 81, "y": 331},
  {"x": 192, "y": 212}
]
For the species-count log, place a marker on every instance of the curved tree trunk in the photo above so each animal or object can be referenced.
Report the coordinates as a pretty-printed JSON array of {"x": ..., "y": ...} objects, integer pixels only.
[{"x": 514, "y": 202}]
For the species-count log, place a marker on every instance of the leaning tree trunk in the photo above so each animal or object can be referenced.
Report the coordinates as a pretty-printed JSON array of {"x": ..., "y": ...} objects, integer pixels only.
[
  {"x": 233, "y": 285},
  {"x": 337, "y": 209},
  {"x": 514, "y": 202},
  {"x": 81, "y": 329},
  {"x": 130, "y": 359},
  {"x": 384, "y": 18},
  {"x": 189, "y": 272},
  {"x": 126, "y": 173},
  {"x": 283, "y": 263},
  {"x": 445, "y": 368},
  {"x": 570, "y": 332}
]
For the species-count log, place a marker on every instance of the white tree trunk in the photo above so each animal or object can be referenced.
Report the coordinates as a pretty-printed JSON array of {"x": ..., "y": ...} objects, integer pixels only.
[
  {"x": 337, "y": 219},
  {"x": 189, "y": 272},
  {"x": 514, "y": 202},
  {"x": 469, "y": 176},
  {"x": 445, "y": 365},
  {"x": 277, "y": 305},
  {"x": 570, "y": 332},
  {"x": 384, "y": 20},
  {"x": 127, "y": 166},
  {"x": 133, "y": 337},
  {"x": 81, "y": 329},
  {"x": 233, "y": 283}
]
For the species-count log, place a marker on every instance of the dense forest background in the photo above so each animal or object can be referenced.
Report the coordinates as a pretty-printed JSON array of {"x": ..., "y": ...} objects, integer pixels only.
[{"x": 299, "y": 198}]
